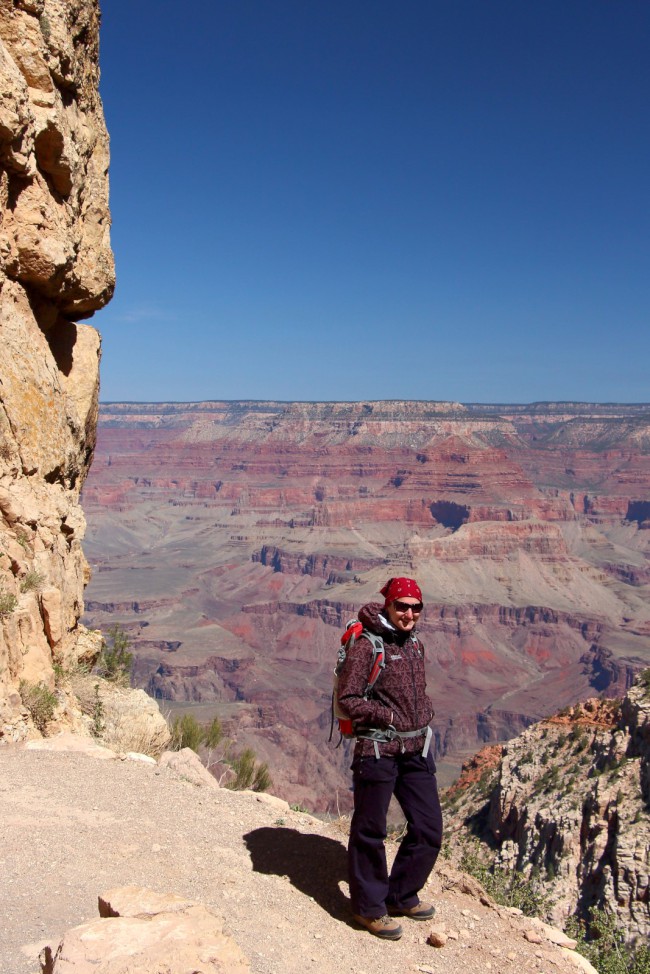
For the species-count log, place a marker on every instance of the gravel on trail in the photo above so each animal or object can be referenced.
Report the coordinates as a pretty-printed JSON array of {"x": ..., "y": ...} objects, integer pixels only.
[{"x": 73, "y": 826}]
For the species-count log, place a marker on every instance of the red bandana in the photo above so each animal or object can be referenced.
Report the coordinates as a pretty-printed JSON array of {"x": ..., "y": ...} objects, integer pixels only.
[{"x": 397, "y": 588}]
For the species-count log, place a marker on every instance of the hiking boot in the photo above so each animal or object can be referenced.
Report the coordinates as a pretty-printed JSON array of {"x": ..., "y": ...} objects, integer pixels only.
[
  {"x": 382, "y": 927},
  {"x": 421, "y": 911}
]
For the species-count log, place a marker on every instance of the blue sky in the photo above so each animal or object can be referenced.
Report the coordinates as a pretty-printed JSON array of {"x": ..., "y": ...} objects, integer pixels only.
[{"x": 372, "y": 199}]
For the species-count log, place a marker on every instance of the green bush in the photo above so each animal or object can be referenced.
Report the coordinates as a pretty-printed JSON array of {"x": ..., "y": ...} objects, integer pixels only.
[
  {"x": 8, "y": 603},
  {"x": 187, "y": 732},
  {"x": 32, "y": 581},
  {"x": 39, "y": 701},
  {"x": 249, "y": 773},
  {"x": 505, "y": 887},
  {"x": 115, "y": 661},
  {"x": 603, "y": 944},
  {"x": 98, "y": 726},
  {"x": 213, "y": 734}
]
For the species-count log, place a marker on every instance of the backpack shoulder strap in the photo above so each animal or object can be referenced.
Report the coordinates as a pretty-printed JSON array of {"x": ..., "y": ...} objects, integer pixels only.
[
  {"x": 378, "y": 659},
  {"x": 354, "y": 631}
]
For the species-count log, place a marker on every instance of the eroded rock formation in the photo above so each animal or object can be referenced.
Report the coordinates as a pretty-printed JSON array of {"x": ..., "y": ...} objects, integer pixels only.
[
  {"x": 56, "y": 267},
  {"x": 234, "y": 540},
  {"x": 566, "y": 803}
]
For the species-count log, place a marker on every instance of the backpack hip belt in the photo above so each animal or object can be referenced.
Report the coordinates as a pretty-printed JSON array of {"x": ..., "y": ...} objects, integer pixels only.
[{"x": 390, "y": 734}]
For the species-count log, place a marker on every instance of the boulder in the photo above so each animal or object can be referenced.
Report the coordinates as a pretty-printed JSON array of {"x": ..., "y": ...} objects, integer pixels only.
[{"x": 147, "y": 932}]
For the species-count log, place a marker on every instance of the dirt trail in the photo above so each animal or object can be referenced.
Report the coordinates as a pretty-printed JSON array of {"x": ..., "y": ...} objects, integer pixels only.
[{"x": 73, "y": 826}]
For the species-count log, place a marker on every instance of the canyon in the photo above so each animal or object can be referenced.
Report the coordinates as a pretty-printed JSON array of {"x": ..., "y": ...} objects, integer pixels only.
[{"x": 233, "y": 540}]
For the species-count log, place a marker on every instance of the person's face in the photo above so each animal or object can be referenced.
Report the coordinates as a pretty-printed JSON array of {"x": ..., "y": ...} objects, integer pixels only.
[{"x": 403, "y": 613}]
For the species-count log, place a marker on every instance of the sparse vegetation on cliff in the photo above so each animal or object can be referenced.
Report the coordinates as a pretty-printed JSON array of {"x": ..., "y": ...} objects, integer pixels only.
[
  {"x": 566, "y": 811},
  {"x": 249, "y": 772},
  {"x": 32, "y": 582},
  {"x": 8, "y": 603},
  {"x": 241, "y": 771},
  {"x": 40, "y": 702},
  {"x": 187, "y": 732},
  {"x": 115, "y": 660},
  {"x": 604, "y": 946},
  {"x": 506, "y": 887}
]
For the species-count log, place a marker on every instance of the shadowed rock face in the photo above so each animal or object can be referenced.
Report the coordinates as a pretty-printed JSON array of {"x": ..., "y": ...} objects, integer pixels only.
[
  {"x": 56, "y": 267},
  {"x": 567, "y": 801},
  {"x": 234, "y": 540}
]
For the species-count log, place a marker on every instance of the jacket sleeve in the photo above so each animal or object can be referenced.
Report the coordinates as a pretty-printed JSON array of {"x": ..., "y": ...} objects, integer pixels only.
[{"x": 353, "y": 680}]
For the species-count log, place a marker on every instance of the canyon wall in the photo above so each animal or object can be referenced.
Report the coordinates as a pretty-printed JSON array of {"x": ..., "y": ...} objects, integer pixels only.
[
  {"x": 56, "y": 268},
  {"x": 233, "y": 540},
  {"x": 566, "y": 804}
]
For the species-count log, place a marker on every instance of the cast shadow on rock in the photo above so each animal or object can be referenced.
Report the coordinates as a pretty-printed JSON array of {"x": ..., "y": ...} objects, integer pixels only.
[{"x": 314, "y": 864}]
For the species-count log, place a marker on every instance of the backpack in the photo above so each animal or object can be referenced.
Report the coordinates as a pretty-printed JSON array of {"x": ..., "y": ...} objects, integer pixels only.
[{"x": 353, "y": 630}]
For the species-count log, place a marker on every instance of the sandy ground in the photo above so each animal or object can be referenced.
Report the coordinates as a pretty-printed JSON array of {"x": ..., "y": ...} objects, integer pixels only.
[{"x": 73, "y": 826}]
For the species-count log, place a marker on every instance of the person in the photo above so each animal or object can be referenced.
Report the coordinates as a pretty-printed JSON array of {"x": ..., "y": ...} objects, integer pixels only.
[{"x": 392, "y": 756}]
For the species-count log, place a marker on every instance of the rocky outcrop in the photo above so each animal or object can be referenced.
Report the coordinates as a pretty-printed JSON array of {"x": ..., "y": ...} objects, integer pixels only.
[
  {"x": 567, "y": 804},
  {"x": 331, "y": 568},
  {"x": 149, "y": 932},
  {"x": 56, "y": 267}
]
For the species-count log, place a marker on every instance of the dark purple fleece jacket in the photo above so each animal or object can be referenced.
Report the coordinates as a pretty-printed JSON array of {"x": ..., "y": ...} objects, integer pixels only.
[{"x": 399, "y": 696}]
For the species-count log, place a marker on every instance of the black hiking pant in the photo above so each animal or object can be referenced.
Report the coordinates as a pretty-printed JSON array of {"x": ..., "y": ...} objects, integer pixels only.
[{"x": 411, "y": 778}]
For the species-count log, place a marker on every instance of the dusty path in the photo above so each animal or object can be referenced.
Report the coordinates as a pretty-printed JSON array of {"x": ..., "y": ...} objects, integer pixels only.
[{"x": 73, "y": 826}]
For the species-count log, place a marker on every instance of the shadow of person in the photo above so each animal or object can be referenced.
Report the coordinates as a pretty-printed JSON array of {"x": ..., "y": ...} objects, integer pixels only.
[{"x": 314, "y": 864}]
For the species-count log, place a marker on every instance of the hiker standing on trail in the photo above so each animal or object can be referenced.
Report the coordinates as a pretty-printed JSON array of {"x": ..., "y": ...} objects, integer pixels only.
[{"x": 391, "y": 757}]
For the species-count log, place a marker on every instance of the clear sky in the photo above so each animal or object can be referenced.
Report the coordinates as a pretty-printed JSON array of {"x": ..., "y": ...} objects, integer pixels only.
[{"x": 378, "y": 199}]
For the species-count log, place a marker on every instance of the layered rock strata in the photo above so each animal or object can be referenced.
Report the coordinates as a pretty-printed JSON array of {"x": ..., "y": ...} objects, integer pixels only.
[
  {"x": 234, "y": 540},
  {"x": 56, "y": 267}
]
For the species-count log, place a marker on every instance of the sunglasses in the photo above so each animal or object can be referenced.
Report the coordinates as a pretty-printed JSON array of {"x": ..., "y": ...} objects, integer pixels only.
[{"x": 405, "y": 606}]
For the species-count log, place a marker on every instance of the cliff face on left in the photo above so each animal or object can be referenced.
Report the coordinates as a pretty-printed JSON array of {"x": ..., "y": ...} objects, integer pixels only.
[{"x": 56, "y": 268}]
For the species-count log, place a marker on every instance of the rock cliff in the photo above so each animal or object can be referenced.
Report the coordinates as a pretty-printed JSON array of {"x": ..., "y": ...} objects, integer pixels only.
[
  {"x": 56, "y": 267},
  {"x": 567, "y": 803}
]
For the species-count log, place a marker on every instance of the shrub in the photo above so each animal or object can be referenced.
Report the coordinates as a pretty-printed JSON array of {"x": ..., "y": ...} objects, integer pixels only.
[
  {"x": 187, "y": 732},
  {"x": 213, "y": 734},
  {"x": 23, "y": 539},
  {"x": 115, "y": 661},
  {"x": 40, "y": 702},
  {"x": 505, "y": 887},
  {"x": 644, "y": 678},
  {"x": 97, "y": 727},
  {"x": 603, "y": 944},
  {"x": 249, "y": 773},
  {"x": 8, "y": 603},
  {"x": 32, "y": 581}
]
